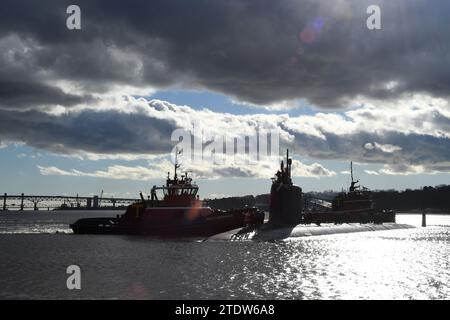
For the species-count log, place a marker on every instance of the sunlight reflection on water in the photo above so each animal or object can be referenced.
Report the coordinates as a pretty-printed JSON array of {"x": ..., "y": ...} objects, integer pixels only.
[{"x": 394, "y": 264}]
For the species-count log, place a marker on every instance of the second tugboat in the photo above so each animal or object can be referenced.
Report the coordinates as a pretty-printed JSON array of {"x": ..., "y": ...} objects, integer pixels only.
[
  {"x": 179, "y": 213},
  {"x": 355, "y": 206}
]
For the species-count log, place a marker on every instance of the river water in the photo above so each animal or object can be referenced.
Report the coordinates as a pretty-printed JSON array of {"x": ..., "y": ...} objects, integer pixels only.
[{"x": 36, "y": 249}]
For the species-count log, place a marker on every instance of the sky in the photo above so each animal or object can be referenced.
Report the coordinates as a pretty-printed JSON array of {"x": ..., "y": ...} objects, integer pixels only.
[{"x": 96, "y": 108}]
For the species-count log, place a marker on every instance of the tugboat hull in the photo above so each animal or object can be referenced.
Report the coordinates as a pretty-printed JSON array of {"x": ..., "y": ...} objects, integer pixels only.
[
  {"x": 351, "y": 216},
  {"x": 173, "y": 224},
  {"x": 95, "y": 226}
]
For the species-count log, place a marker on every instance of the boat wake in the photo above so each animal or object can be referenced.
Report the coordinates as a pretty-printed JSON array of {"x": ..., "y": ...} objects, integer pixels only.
[{"x": 37, "y": 230}]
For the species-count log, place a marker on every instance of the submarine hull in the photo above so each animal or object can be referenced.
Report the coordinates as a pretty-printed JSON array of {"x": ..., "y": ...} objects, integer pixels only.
[
  {"x": 350, "y": 216},
  {"x": 268, "y": 233}
]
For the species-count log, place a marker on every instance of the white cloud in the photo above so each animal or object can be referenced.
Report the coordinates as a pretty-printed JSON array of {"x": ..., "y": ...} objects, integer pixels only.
[
  {"x": 412, "y": 114},
  {"x": 283, "y": 105},
  {"x": 369, "y": 146},
  {"x": 387, "y": 148},
  {"x": 157, "y": 169},
  {"x": 404, "y": 170},
  {"x": 400, "y": 169},
  {"x": 53, "y": 171},
  {"x": 117, "y": 172},
  {"x": 314, "y": 170}
]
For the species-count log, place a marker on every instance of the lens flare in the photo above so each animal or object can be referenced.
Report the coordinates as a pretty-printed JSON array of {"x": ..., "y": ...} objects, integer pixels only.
[
  {"x": 310, "y": 33},
  {"x": 194, "y": 211}
]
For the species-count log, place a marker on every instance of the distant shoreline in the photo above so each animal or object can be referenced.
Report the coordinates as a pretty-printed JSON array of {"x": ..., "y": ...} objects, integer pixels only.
[{"x": 412, "y": 211}]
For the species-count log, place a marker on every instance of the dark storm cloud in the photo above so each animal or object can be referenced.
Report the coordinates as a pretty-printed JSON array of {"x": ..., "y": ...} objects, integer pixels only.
[
  {"x": 260, "y": 52},
  {"x": 32, "y": 94},
  {"x": 107, "y": 132},
  {"x": 257, "y": 51}
]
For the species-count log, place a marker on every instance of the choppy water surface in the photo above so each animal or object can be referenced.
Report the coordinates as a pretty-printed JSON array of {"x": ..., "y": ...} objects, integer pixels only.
[{"x": 36, "y": 248}]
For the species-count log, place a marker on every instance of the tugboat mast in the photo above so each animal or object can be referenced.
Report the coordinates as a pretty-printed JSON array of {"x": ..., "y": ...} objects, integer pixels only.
[
  {"x": 353, "y": 185},
  {"x": 351, "y": 170},
  {"x": 176, "y": 162}
]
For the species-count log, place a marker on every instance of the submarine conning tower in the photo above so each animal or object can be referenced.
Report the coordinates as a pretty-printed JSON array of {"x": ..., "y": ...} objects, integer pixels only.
[{"x": 285, "y": 197}]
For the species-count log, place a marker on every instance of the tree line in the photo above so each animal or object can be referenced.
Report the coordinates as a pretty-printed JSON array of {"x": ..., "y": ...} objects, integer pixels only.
[{"x": 428, "y": 197}]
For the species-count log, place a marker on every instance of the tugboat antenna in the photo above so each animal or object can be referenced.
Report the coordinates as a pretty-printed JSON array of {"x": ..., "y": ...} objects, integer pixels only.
[
  {"x": 288, "y": 164},
  {"x": 176, "y": 162},
  {"x": 351, "y": 169},
  {"x": 353, "y": 185},
  {"x": 287, "y": 161}
]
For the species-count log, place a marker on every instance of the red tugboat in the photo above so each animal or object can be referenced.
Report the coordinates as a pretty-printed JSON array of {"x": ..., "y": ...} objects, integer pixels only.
[{"x": 179, "y": 213}]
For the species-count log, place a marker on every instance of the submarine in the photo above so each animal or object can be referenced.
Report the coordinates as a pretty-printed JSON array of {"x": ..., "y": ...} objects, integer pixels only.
[{"x": 351, "y": 211}]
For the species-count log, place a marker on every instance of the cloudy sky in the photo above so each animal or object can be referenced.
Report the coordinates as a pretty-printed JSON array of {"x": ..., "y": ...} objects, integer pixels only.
[{"x": 92, "y": 109}]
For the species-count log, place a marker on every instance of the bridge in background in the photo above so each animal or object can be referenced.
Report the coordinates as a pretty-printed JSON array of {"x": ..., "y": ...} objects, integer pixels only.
[{"x": 22, "y": 202}]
